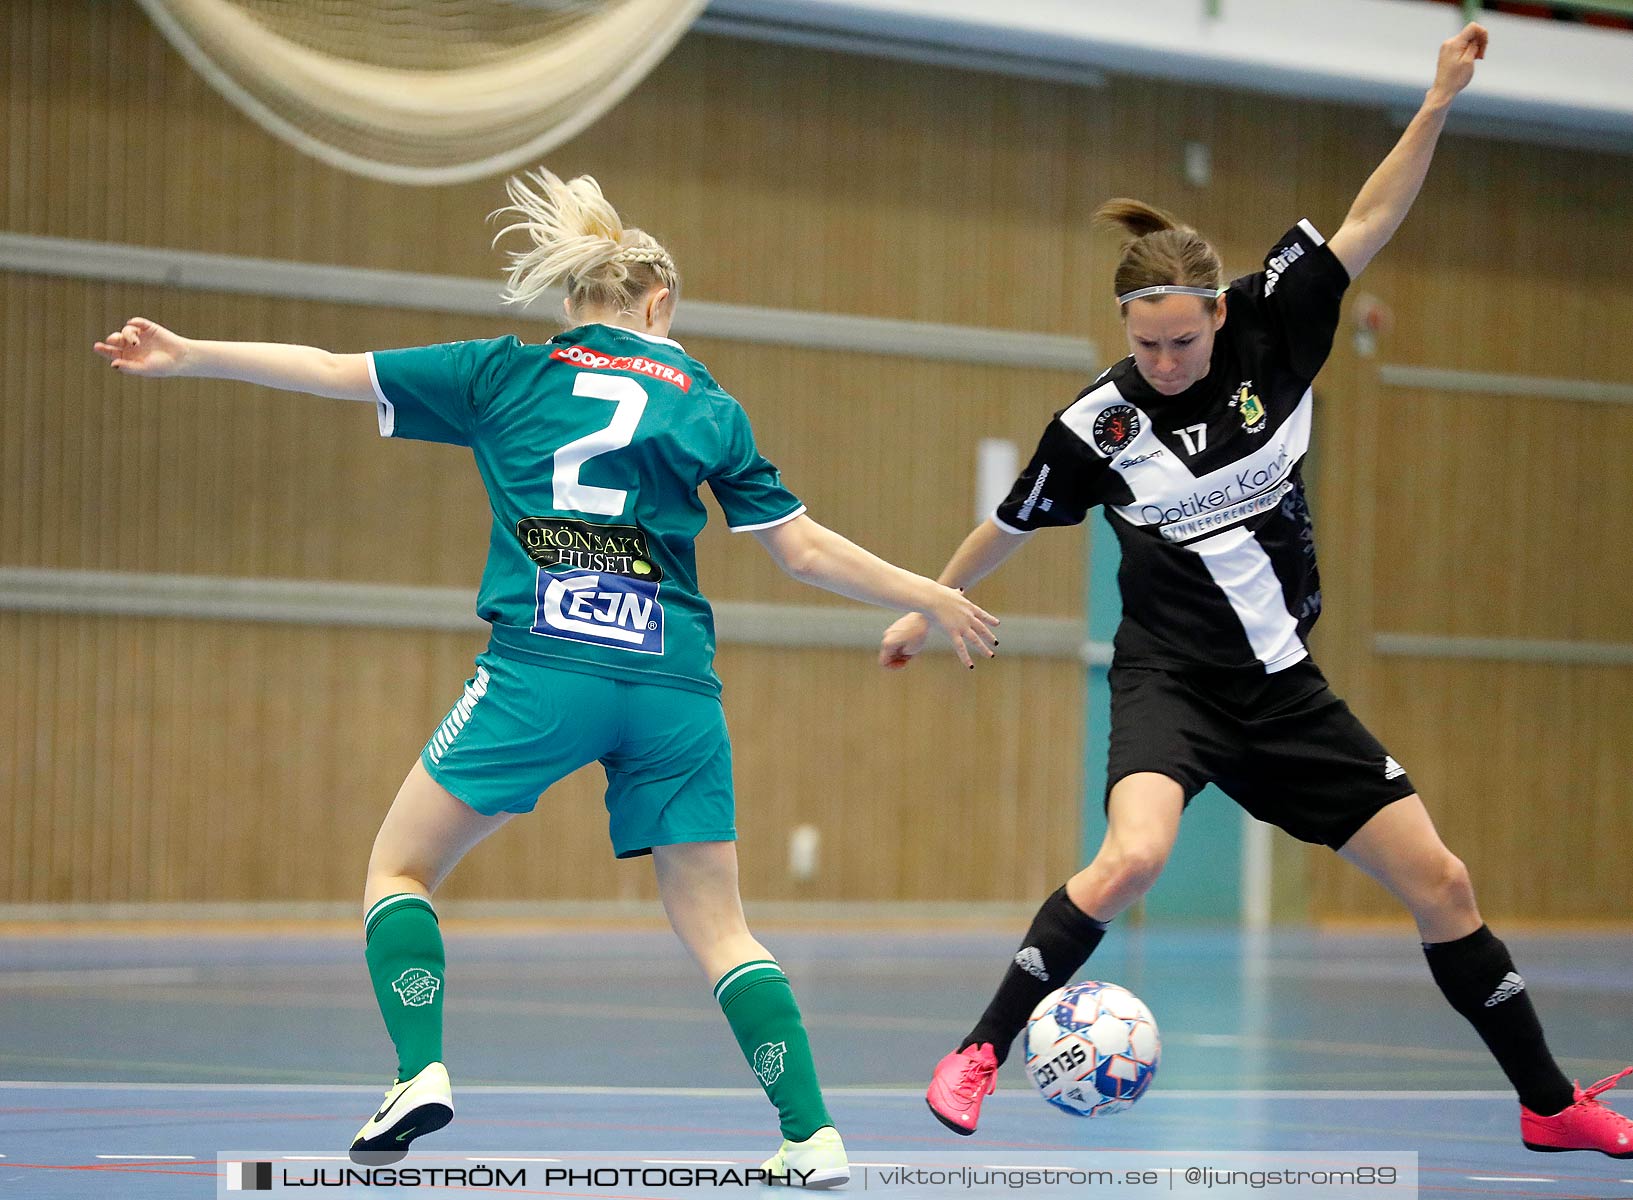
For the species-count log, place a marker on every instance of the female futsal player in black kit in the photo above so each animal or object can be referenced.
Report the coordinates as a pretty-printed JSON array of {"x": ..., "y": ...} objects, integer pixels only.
[{"x": 1193, "y": 444}]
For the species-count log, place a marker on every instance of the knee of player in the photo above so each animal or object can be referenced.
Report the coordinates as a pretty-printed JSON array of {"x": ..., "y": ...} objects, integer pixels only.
[
  {"x": 1449, "y": 887},
  {"x": 1137, "y": 865}
]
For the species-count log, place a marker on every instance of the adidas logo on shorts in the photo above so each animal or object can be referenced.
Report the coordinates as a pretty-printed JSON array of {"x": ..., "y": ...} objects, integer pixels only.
[
  {"x": 1511, "y": 986},
  {"x": 1392, "y": 769},
  {"x": 1030, "y": 960}
]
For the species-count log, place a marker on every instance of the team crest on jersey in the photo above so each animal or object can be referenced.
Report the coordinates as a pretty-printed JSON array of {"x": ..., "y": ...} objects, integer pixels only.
[
  {"x": 1115, "y": 427},
  {"x": 1250, "y": 407}
]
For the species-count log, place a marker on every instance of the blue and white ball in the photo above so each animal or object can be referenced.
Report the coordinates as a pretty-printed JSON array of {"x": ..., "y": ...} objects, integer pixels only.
[{"x": 1092, "y": 1049}]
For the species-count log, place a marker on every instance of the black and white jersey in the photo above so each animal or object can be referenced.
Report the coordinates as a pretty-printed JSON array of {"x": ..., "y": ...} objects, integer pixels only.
[{"x": 1203, "y": 488}]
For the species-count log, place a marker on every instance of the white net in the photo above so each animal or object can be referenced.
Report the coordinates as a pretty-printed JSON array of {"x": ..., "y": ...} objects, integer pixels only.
[{"x": 424, "y": 91}]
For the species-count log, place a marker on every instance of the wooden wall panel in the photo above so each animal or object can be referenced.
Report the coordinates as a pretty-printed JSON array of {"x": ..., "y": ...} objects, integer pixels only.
[
  {"x": 104, "y": 472},
  {"x": 889, "y": 207},
  {"x": 915, "y": 192},
  {"x": 1524, "y": 768},
  {"x": 792, "y": 179},
  {"x": 195, "y": 477},
  {"x": 1505, "y": 517},
  {"x": 198, "y": 760},
  {"x": 883, "y": 450},
  {"x": 1498, "y": 517}
]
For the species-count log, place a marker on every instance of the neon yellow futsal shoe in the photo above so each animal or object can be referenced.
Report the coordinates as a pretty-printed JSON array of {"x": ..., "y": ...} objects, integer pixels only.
[
  {"x": 411, "y": 1108},
  {"x": 817, "y": 1162}
]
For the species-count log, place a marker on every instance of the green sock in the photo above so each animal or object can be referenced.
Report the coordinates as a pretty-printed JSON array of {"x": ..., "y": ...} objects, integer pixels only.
[
  {"x": 759, "y": 1005},
  {"x": 404, "y": 953}
]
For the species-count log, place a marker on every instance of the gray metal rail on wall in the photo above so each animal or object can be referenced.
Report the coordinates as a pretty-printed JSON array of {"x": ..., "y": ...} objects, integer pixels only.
[{"x": 453, "y": 610}]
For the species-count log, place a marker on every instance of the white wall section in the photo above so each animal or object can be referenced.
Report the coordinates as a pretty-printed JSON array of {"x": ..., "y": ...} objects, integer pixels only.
[{"x": 1543, "y": 76}]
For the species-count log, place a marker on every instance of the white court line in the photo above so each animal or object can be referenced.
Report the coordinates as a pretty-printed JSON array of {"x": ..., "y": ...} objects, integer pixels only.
[
  {"x": 690, "y": 1162},
  {"x": 314, "y": 1158},
  {"x": 488, "y": 1160},
  {"x": 1336, "y": 1094},
  {"x": 1509, "y": 1179},
  {"x": 727, "y": 1093},
  {"x": 149, "y": 1157},
  {"x": 859, "y": 1163},
  {"x": 374, "y": 1088}
]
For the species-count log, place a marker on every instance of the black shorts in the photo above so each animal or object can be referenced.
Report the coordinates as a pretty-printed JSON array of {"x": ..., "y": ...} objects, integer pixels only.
[{"x": 1282, "y": 746}]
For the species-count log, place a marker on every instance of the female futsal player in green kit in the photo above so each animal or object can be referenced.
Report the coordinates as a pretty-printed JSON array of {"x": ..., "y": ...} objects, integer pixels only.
[
  {"x": 592, "y": 447},
  {"x": 1192, "y": 445}
]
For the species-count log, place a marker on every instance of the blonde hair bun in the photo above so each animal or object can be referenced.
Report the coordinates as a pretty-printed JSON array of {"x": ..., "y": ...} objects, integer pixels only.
[{"x": 578, "y": 241}]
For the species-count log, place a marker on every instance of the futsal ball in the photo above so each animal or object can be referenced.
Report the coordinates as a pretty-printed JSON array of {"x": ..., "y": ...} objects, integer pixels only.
[{"x": 1092, "y": 1049}]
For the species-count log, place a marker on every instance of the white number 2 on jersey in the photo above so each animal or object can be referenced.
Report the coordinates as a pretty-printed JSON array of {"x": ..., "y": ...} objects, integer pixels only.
[
  {"x": 569, "y": 493},
  {"x": 1194, "y": 445}
]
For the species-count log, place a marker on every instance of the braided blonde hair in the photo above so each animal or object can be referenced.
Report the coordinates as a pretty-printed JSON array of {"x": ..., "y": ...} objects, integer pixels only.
[{"x": 578, "y": 240}]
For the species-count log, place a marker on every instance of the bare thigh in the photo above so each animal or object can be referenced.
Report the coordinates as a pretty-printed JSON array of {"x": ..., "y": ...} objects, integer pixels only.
[{"x": 425, "y": 834}]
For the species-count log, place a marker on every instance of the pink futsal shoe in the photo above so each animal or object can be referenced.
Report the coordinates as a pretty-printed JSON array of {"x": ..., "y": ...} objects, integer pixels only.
[
  {"x": 962, "y": 1080},
  {"x": 1585, "y": 1125}
]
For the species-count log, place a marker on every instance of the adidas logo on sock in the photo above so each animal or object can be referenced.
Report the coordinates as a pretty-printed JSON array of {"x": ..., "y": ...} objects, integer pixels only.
[
  {"x": 1511, "y": 986},
  {"x": 1030, "y": 960},
  {"x": 1392, "y": 769}
]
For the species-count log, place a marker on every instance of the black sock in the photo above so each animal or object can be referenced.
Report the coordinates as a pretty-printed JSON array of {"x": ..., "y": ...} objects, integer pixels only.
[
  {"x": 1060, "y": 940},
  {"x": 1479, "y": 980}
]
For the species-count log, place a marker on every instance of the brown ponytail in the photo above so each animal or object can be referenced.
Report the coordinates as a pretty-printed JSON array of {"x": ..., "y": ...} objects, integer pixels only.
[{"x": 1160, "y": 249}]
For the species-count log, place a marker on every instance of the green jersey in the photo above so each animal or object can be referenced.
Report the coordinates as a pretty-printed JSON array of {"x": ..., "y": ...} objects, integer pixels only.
[{"x": 593, "y": 446}]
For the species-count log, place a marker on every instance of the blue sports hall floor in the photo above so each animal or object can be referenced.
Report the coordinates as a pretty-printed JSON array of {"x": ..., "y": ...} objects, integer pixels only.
[{"x": 132, "y": 1059}]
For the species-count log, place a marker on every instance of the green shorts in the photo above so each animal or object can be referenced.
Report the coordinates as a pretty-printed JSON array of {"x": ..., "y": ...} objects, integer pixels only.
[{"x": 521, "y": 726}]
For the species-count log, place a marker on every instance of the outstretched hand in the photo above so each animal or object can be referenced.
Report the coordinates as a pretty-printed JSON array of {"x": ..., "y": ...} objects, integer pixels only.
[
  {"x": 967, "y": 625},
  {"x": 143, "y": 347},
  {"x": 1457, "y": 58}
]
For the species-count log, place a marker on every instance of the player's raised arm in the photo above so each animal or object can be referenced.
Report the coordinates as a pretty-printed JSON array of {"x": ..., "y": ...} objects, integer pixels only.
[
  {"x": 978, "y": 555},
  {"x": 144, "y": 347},
  {"x": 1388, "y": 195},
  {"x": 817, "y": 555}
]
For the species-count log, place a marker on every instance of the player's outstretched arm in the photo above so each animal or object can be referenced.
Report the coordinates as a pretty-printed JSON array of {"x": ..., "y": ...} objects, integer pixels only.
[
  {"x": 1386, "y": 198},
  {"x": 977, "y": 556},
  {"x": 143, "y": 347},
  {"x": 814, "y": 554}
]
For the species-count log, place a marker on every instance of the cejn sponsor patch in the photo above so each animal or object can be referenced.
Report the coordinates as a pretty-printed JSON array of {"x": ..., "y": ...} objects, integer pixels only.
[
  {"x": 594, "y": 360},
  {"x": 599, "y": 608}
]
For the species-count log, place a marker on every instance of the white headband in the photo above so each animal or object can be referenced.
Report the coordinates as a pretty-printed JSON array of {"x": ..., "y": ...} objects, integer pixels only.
[{"x": 1171, "y": 289}]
